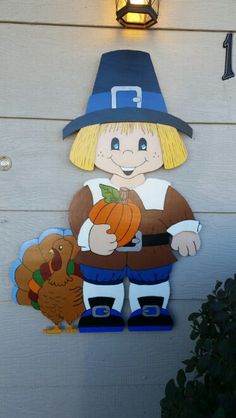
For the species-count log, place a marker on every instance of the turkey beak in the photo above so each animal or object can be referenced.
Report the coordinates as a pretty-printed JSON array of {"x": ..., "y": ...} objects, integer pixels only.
[{"x": 51, "y": 251}]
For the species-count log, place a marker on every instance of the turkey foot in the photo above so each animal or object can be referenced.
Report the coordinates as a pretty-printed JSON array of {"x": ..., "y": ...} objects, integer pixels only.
[
  {"x": 71, "y": 329},
  {"x": 54, "y": 330}
]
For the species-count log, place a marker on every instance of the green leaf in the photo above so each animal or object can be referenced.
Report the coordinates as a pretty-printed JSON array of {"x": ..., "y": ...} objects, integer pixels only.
[
  {"x": 181, "y": 378},
  {"x": 193, "y": 316},
  {"x": 170, "y": 389},
  {"x": 232, "y": 295},
  {"x": 207, "y": 344},
  {"x": 218, "y": 284},
  {"x": 216, "y": 370},
  {"x": 110, "y": 194},
  {"x": 229, "y": 283},
  {"x": 190, "y": 364},
  {"x": 218, "y": 305},
  {"x": 221, "y": 316},
  {"x": 224, "y": 348},
  {"x": 194, "y": 335},
  {"x": 204, "y": 363},
  {"x": 190, "y": 368},
  {"x": 221, "y": 294},
  {"x": 190, "y": 389}
]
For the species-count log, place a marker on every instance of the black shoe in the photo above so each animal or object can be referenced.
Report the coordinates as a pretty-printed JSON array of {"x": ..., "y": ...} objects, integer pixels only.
[
  {"x": 151, "y": 317},
  {"x": 101, "y": 317}
]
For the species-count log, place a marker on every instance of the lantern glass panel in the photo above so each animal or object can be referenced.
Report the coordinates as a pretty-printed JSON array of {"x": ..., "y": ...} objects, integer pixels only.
[
  {"x": 120, "y": 4},
  {"x": 137, "y": 13},
  {"x": 138, "y": 18}
]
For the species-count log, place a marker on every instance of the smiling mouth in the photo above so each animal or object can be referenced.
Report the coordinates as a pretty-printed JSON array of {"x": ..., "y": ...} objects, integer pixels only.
[{"x": 128, "y": 170}]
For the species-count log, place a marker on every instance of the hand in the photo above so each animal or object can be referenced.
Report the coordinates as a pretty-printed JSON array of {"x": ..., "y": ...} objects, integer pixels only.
[
  {"x": 100, "y": 241},
  {"x": 187, "y": 243}
]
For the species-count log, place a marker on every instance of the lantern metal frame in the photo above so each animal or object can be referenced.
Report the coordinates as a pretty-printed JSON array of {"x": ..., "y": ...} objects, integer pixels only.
[{"x": 146, "y": 9}]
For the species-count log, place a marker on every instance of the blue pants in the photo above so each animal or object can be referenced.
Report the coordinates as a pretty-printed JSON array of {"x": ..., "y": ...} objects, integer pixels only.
[{"x": 107, "y": 276}]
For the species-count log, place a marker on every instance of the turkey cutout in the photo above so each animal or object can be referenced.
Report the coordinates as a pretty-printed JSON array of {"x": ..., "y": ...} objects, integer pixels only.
[
  {"x": 46, "y": 278},
  {"x": 128, "y": 225}
]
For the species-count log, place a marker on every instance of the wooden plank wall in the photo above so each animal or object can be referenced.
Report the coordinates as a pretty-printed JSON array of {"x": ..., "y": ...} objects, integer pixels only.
[{"x": 50, "y": 50}]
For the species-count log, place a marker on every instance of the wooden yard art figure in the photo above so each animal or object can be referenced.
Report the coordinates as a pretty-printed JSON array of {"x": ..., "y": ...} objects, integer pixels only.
[
  {"x": 46, "y": 278},
  {"x": 128, "y": 225}
]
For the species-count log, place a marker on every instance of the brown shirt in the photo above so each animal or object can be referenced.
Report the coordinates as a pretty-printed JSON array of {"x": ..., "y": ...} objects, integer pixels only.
[{"x": 153, "y": 221}]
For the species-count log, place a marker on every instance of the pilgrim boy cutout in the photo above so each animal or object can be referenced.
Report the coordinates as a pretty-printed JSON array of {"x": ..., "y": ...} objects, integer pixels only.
[{"x": 128, "y": 225}]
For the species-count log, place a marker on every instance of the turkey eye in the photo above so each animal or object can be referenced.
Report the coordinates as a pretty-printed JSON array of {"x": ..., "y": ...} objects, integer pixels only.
[
  {"x": 142, "y": 144},
  {"x": 115, "y": 144},
  {"x": 60, "y": 247}
]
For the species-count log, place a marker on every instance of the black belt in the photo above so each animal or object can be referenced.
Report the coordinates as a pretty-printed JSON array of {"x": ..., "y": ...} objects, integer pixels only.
[
  {"x": 150, "y": 240},
  {"x": 155, "y": 239}
]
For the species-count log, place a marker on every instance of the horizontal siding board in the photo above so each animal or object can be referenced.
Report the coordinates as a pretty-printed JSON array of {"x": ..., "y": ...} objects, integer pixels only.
[
  {"x": 82, "y": 401},
  {"x": 42, "y": 177},
  {"x": 30, "y": 358},
  {"x": 58, "y": 78},
  {"x": 192, "y": 278},
  {"x": 178, "y": 14},
  {"x": 48, "y": 72}
]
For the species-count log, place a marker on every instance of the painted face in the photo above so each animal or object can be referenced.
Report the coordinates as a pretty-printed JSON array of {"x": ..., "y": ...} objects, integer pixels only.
[{"x": 128, "y": 155}]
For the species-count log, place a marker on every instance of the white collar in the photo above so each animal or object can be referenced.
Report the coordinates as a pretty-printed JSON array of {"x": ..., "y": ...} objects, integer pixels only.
[{"x": 152, "y": 192}]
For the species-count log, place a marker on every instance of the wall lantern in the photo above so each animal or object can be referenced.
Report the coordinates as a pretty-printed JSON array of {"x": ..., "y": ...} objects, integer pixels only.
[{"x": 139, "y": 14}]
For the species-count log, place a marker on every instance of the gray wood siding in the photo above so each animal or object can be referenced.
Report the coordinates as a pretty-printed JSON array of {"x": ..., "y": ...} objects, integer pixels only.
[
  {"x": 49, "y": 71},
  {"x": 174, "y": 14},
  {"x": 49, "y": 52}
]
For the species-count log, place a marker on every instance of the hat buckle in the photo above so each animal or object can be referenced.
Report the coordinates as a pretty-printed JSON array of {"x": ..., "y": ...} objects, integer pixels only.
[{"x": 137, "y": 99}]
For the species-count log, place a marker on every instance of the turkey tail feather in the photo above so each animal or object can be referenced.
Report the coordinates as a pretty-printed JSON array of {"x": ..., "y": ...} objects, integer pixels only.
[
  {"x": 22, "y": 277},
  {"x": 20, "y": 296}
]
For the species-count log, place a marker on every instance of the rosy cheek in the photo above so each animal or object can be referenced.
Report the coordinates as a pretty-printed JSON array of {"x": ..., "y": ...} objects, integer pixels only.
[
  {"x": 100, "y": 154},
  {"x": 156, "y": 155}
]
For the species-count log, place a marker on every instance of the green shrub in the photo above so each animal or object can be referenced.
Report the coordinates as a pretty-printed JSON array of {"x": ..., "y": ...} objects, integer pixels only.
[{"x": 210, "y": 390}]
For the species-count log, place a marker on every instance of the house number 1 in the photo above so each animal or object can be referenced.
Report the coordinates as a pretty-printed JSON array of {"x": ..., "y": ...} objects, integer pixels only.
[{"x": 228, "y": 43}]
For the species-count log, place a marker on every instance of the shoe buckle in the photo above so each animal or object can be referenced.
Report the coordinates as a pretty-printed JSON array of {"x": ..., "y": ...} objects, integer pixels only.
[
  {"x": 101, "y": 311},
  {"x": 151, "y": 310}
]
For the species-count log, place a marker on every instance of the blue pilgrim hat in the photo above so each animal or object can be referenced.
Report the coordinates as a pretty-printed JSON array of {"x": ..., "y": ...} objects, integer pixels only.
[{"x": 126, "y": 90}]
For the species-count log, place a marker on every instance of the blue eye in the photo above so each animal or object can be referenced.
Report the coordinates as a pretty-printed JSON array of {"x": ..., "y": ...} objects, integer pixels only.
[
  {"x": 115, "y": 144},
  {"x": 142, "y": 145}
]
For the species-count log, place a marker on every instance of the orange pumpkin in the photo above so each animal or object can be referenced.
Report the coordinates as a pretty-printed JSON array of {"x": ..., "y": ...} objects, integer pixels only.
[{"x": 117, "y": 211}]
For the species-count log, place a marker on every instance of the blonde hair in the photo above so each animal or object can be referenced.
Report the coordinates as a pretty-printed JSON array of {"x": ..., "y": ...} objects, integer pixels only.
[{"x": 83, "y": 150}]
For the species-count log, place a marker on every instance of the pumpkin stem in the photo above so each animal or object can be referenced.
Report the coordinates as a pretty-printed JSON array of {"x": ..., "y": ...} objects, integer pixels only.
[{"x": 124, "y": 192}]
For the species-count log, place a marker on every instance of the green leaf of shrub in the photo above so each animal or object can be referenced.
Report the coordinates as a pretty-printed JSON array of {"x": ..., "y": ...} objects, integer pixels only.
[
  {"x": 194, "y": 315},
  {"x": 181, "y": 378},
  {"x": 218, "y": 284},
  {"x": 213, "y": 361},
  {"x": 170, "y": 390},
  {"x": 221, "y": 316},
  {"x": 194, "y": 335}
]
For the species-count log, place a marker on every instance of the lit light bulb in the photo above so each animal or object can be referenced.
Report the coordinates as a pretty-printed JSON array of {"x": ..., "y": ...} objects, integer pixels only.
[{"x": 138, "y": 2}]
